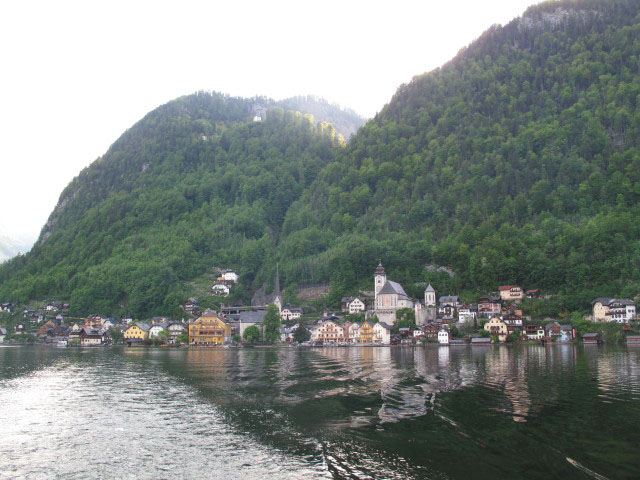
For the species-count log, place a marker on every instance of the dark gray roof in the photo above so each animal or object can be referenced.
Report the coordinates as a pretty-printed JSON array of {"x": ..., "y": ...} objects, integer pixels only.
[
  {"x": 385, "y": 325},
  {"x": 392, "y": 287},
  {"x": 429, "y": 289},
  {"x": 252, "y": 317},
  {"x": 143, "y": 326},
  {"x": 448, "y": 299},
  {"x": 590, "y": 335},
  {"x": 3, "y": 331}
]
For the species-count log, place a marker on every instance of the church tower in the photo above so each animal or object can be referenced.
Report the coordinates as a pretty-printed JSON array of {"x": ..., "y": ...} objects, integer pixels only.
[
  {"x": 277, "y": 296},
  {"x": 429, "y": 297},
  {"x": 380, "y": 278}
]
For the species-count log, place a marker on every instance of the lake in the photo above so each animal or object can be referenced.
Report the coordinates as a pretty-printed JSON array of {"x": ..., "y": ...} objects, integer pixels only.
[{"x": 480, "y": 412}]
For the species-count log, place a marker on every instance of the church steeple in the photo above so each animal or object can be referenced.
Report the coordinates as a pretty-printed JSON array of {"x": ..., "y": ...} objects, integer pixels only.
[
  {"x": 277, "y": 297},
  {"x": 379, "y": 279}
]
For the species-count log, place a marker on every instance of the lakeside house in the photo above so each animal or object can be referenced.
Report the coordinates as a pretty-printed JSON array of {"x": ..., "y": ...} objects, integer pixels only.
[
  {"x": 137, "y": 332},
  {"x": 209, "y": 329},
  {"x": 3, "y": 334},
  {"x": 496, "y": 327},
  {"x": 534, "y": 331},
  {"x": 562, "y": 333},
  {"x": 443, "y": 337},
  {"x": 591, "y": 338}
]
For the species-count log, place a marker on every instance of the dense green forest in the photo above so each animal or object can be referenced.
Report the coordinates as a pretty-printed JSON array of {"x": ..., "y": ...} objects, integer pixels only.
[{"x": 516, "y": 162}]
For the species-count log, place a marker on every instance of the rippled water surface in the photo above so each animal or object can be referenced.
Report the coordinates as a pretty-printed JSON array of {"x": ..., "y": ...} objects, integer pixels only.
[{"x": 389, "y": 412}]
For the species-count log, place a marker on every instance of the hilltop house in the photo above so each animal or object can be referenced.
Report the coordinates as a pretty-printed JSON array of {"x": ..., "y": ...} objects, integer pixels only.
[
  {"x": 220, "y": 290},
  {"x": 230, "y": 275},
  {"x": 290, "y": 313},
  {"x": 389, "y": 297},
  {"x": 511, "y": 292}
]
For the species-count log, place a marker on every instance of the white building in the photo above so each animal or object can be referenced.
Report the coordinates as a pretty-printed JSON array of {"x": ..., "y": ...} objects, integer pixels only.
[
  {"x": 356, "y": 306},
  {"x": 230, "y": 275},
  {"x": 382, "y": 333},
  {"x": 290, "y": 313},
  {"x": 443, "y": 337},
  {"x": 466, "y": 315},
  {"x": 155, "y": 330},
  {"x": 221, "y": 290}
]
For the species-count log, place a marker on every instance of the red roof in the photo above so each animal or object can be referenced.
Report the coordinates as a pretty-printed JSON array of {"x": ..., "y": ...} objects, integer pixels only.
[{"x": 507, "y": 287}]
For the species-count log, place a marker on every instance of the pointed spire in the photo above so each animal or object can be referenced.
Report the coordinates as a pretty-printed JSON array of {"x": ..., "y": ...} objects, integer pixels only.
[{"x": 276, "y": 285}]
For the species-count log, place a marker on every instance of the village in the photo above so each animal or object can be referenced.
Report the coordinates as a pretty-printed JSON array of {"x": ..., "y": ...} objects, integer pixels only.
[{"x": 387, "y": 316}]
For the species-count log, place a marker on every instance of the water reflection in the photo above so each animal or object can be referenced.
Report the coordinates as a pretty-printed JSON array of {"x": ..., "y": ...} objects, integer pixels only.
[{"x": 369, "y": 412}]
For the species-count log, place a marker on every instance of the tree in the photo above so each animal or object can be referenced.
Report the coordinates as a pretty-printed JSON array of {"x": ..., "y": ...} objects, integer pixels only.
[
  {"x": 271, "y": 324},
  {"x": 251, "y": 334},
  {"x": 236, "y": 338},
  {"x": 302, "y": 334},
  {"x": 405, "y": 318},
  {"x": 163, "y": 336},
  {"x": 115, "y": 334},
  {"x": 182, "y": 338}
]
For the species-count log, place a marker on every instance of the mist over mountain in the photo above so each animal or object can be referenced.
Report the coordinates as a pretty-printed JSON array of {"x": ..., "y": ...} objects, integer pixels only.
[{"x": 516, "y": 162}]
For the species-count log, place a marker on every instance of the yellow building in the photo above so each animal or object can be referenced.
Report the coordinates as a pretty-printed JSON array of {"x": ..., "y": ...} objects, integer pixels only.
[
  {"x": 209, "y": 329},
  {"x": 137, "y": 331},
  {"x": 366, "y": 333},
  {"x": 496, "y": 327}
]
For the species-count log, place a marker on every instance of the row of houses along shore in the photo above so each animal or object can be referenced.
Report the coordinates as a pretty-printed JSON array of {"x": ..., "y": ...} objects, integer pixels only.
[{"x": 494, "y": 318}]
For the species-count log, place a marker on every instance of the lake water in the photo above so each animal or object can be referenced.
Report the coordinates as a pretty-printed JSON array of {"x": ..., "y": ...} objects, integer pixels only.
[{"x": 562, "y": 411}]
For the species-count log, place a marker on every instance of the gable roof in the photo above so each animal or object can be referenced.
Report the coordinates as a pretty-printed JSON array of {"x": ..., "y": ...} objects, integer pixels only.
[
  {"x": 252, "y": 317},
  {"x": 391, "y": 287},
  {"x": 507, "y": 287}
]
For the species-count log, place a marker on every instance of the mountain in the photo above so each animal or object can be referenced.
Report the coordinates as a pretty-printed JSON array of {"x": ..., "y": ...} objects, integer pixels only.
[
  {"x": 195, "y": 183},
  {"x": 516, "y": 162}
]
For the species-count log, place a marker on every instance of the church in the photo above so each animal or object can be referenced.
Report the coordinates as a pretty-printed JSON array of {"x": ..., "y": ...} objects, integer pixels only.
[{"x": 391, "y": 297}]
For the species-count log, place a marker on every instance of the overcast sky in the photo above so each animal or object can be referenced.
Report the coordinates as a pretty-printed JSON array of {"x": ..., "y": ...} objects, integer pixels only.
[{"x": 75, "y": 75}]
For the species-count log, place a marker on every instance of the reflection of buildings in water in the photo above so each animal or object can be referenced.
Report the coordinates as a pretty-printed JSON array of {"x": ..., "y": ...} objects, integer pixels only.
[
  {"x": 505, "y": 370},
  {"x": 617, "y": 371}
]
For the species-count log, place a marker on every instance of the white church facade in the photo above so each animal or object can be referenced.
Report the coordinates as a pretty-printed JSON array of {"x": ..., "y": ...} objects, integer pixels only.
[{"x": 391, "y": 297}]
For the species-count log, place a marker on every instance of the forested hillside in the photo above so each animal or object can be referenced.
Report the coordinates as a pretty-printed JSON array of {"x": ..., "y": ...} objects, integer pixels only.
[
  {"x": 516, "y": 162},
  {"x": 193, "y": 184}
]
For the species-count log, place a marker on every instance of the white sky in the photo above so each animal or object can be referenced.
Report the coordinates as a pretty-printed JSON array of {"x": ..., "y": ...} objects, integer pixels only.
[{"x": 75, "y": 75}]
